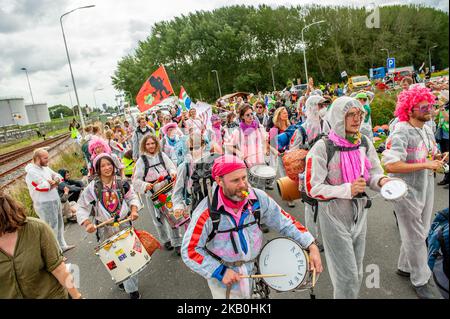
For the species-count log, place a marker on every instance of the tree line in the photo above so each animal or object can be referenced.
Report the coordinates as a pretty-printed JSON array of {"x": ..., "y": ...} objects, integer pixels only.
[{"x": 245, "y": 43}]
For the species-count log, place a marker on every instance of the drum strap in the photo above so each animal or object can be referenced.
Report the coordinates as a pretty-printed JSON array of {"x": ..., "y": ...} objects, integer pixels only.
[{"x": 147, "y": 165}]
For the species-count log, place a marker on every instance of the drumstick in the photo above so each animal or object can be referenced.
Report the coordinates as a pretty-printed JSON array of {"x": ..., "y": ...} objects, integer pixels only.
[
  {"x": 314, "y": 277},
  {"x": 363, "y": 162},
  {"x": 110, "y": 221},
  {"x": 445, "y": 157},
  {"x": 263, "y": 276}
]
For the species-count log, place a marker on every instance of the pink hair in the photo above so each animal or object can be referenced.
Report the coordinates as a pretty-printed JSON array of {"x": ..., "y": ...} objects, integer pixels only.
[
  {"x": 95, "y": 142},
  {"x": 406, "y": 100}
]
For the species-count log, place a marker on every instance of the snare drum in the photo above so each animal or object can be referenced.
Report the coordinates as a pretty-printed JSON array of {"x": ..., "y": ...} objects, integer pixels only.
[
  {"x": 162, "y": 200},
  {"x": 394, "y": 190},
  {"x": 261, "y": 175},
  {"x": 123, "y": 255},
  {"x": 285, "y": 256}
]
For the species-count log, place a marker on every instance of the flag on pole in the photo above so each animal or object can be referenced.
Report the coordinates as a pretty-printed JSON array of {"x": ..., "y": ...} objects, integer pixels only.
[
  {"x": 156, "y": 89},
  {"x": 185, "y": 100}
]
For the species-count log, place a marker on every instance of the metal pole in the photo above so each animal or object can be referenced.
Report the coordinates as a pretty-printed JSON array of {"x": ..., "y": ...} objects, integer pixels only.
[
  {"x": 273, "y": 78},
  {"x": 218, "y": 84},
  {"x": 70, "y": 65},
  {"x": 29, "y": 85},
  {"x": 429, "y": 55},
  {"x": 304, "y": 47}
]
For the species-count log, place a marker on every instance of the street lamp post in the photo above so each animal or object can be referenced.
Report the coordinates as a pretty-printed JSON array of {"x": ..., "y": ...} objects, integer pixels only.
[
  {"x": 304, "y": 46},
  {"x": 218, "y": 84},
  {"x": 273, "y": 78},
  {"x": 70, "y": 65},
  {"x": 29, "y": 85},
  {"x": 70, "y": 98},
  {"x": 429, "y": 54},
  {"x": 386, "y": 51}
]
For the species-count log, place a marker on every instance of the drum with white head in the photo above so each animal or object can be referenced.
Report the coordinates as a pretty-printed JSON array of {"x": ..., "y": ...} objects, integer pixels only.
[
  {"x": 285, "y": 256},
  {"x": 261, "y": 175},
  {"x": 394, "y": 190}
]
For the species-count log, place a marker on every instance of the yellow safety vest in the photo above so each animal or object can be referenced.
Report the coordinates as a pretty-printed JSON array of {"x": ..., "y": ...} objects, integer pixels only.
[{"x": 129, "y": 166}]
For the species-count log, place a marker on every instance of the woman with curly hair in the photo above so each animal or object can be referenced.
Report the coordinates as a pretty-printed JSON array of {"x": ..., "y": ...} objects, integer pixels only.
[
  {"x": 31, "y": 263},
  {"x": 412, "y": 155}
]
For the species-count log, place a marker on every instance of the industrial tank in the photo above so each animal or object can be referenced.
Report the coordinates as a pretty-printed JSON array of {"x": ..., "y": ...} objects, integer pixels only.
[
  {"x": 12, "y": 111},
  {"x": 37, "y": 113}
]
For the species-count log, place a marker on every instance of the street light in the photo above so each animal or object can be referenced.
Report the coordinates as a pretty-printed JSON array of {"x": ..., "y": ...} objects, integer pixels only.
[
  {"x": 429, "y": 54},
  {"x": 304, "y": 46},
  {"x": 70, "y": 97},
  {"x": 29, "y": 86},
  {"x": 95, "y": 101},
  {"x": 68, "y": 59},
  {"x": 273, "y": 78},
  {"x": 387, "y": 52},
  {"x": 218, "y": 84}
]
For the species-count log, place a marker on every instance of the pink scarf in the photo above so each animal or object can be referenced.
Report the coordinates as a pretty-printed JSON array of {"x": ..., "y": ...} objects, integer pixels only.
[
  {"x": 248, "y": 129},
  {"x": 351, "y": 160},
  {"x": 232, "y": 204}
]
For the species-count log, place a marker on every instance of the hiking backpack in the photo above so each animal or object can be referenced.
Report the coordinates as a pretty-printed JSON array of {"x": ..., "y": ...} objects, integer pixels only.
[
  {"x": 331, "y": 150},
  {"x": 438, "y": 248}
]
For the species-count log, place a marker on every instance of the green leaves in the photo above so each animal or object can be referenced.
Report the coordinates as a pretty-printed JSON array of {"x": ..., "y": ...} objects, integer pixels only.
[{"x": 242, "y": 43}]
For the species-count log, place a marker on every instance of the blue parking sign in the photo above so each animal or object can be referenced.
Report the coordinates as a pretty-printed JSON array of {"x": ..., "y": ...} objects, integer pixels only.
[{"x": 390, "y": 63}]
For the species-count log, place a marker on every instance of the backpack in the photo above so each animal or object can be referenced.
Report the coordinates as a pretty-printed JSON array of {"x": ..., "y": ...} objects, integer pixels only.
[
  {"x": 438, "y": 246},
  {"x": 147, "y": 165},
  {"x": 85, "y": 150},
  {"x": 202, "y": 181},
  {"x": 331, "y": 150},
  {"x": 215, "y": 218}
]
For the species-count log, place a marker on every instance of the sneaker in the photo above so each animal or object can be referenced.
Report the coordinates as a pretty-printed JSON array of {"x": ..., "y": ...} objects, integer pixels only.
[
  {"x": 403, "y": 273},
  {"x": 424, "y": 292},
  {"x": 443, "y": 182},
  {"x": 178, "y": 250},
  {"x": 291, "y": 204},
  {"x": 269, "y": 187},
  {"x": 68, "y": 247},
  {"x": 168, "y": 246},
  {"x": 121, "y": 287},
  {"x": 264, "y": 228},
  {"x": 135, "y": 295}
]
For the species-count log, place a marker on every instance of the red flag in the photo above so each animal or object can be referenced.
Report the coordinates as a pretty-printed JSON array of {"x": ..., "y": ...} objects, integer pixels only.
[{"x": 154, "y": 90}]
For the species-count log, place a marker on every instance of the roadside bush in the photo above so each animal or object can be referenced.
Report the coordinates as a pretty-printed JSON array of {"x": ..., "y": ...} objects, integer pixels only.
[{"x": 383, "y": 107}]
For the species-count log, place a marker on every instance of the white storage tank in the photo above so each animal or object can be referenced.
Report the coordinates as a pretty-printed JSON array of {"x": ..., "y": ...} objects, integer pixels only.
[
  {"x": 12, "y": 111},
  {"x": 37, "y": 113}
]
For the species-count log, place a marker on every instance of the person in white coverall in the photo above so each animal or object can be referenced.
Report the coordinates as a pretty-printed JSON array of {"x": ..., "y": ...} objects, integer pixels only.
[
  {"x": 412, "y": 155},
  {"x": 340, "y": 183},
  {"x": 42, "y": 184},
  {"x": 315, "y": 124}
]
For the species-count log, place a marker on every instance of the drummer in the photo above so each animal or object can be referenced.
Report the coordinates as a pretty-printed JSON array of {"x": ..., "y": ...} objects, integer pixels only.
[
  {"x": 412, "y": 156},
  {"x": 159, "y": 170},
  {"x": 223, "y": 257},
  {"x": 110, "y": 197},
  {"x": 339, "y": 182}
]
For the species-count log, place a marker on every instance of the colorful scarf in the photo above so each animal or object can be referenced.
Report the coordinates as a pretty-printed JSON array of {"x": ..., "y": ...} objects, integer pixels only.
[
  {"x": 351, "y": 160},
  {"x": 236, "y": 206},
  {"x": 248, "y": 129}
]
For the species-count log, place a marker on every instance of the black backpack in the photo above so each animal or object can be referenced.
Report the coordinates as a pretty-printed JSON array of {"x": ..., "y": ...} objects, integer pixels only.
[
  {"x": 202, "y": 181},
  {"x": 147, "y": 165},
  {"x": 331, "y": 150},
  {"x": 215, "y": 218}
]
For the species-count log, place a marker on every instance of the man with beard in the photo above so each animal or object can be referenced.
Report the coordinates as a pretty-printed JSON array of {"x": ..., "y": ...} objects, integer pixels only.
[
  {"x": 224, "y": 239},
  {"x": 412, "y": 156}
]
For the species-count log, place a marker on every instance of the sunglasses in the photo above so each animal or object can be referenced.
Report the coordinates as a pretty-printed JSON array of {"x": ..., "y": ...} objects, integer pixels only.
[
  {"x": 259, "y": 107},
  {"x": 424, "y": 108},
  {"x": 248, "y": 115}
]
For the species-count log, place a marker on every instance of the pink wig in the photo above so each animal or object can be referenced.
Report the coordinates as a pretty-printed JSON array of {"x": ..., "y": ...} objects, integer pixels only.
[
  {"x": 95, "y": 142},
  {"x": 406, "y": 100}
]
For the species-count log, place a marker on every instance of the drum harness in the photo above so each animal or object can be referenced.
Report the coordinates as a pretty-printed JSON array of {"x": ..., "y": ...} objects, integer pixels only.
[
  {"x": 331, "y": 150},
  {"x": 123, "y": 186},
  {"x": 261, "y": 287}
]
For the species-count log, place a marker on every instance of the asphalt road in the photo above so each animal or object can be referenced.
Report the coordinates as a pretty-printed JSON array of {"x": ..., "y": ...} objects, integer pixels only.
[{"x": 167, "y": 277}]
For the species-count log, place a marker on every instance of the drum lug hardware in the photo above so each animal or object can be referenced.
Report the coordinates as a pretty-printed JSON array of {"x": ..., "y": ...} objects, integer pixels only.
[
  {"x": 146, "y": 257},
  {"x": 129, "y": 270}
]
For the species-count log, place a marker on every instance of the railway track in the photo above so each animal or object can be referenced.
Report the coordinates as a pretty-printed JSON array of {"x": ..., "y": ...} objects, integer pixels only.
[
  {"x": 14, "y": 173},
  {"x": 13, "y": 155}
]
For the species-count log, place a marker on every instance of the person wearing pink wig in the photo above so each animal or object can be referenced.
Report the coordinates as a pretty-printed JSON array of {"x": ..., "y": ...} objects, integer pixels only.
[
  {"x": 412, "y": 155},
  {"x": 98, "y": 145}
]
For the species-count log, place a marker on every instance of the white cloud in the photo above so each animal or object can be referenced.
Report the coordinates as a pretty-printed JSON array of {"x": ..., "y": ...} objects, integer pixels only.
[{"x": 30, "y": 36}]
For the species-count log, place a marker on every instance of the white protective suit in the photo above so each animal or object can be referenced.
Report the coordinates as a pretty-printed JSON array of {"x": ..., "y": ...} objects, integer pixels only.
[
  {"x": 88, "y": 200},
  {"x": 46, "y": 201},
  {"x": 313, "y": 126},
  {"x": 414, "y": 211},
  {"x": 343, "y": 220},
  {"x": 165, "y": 232}
]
